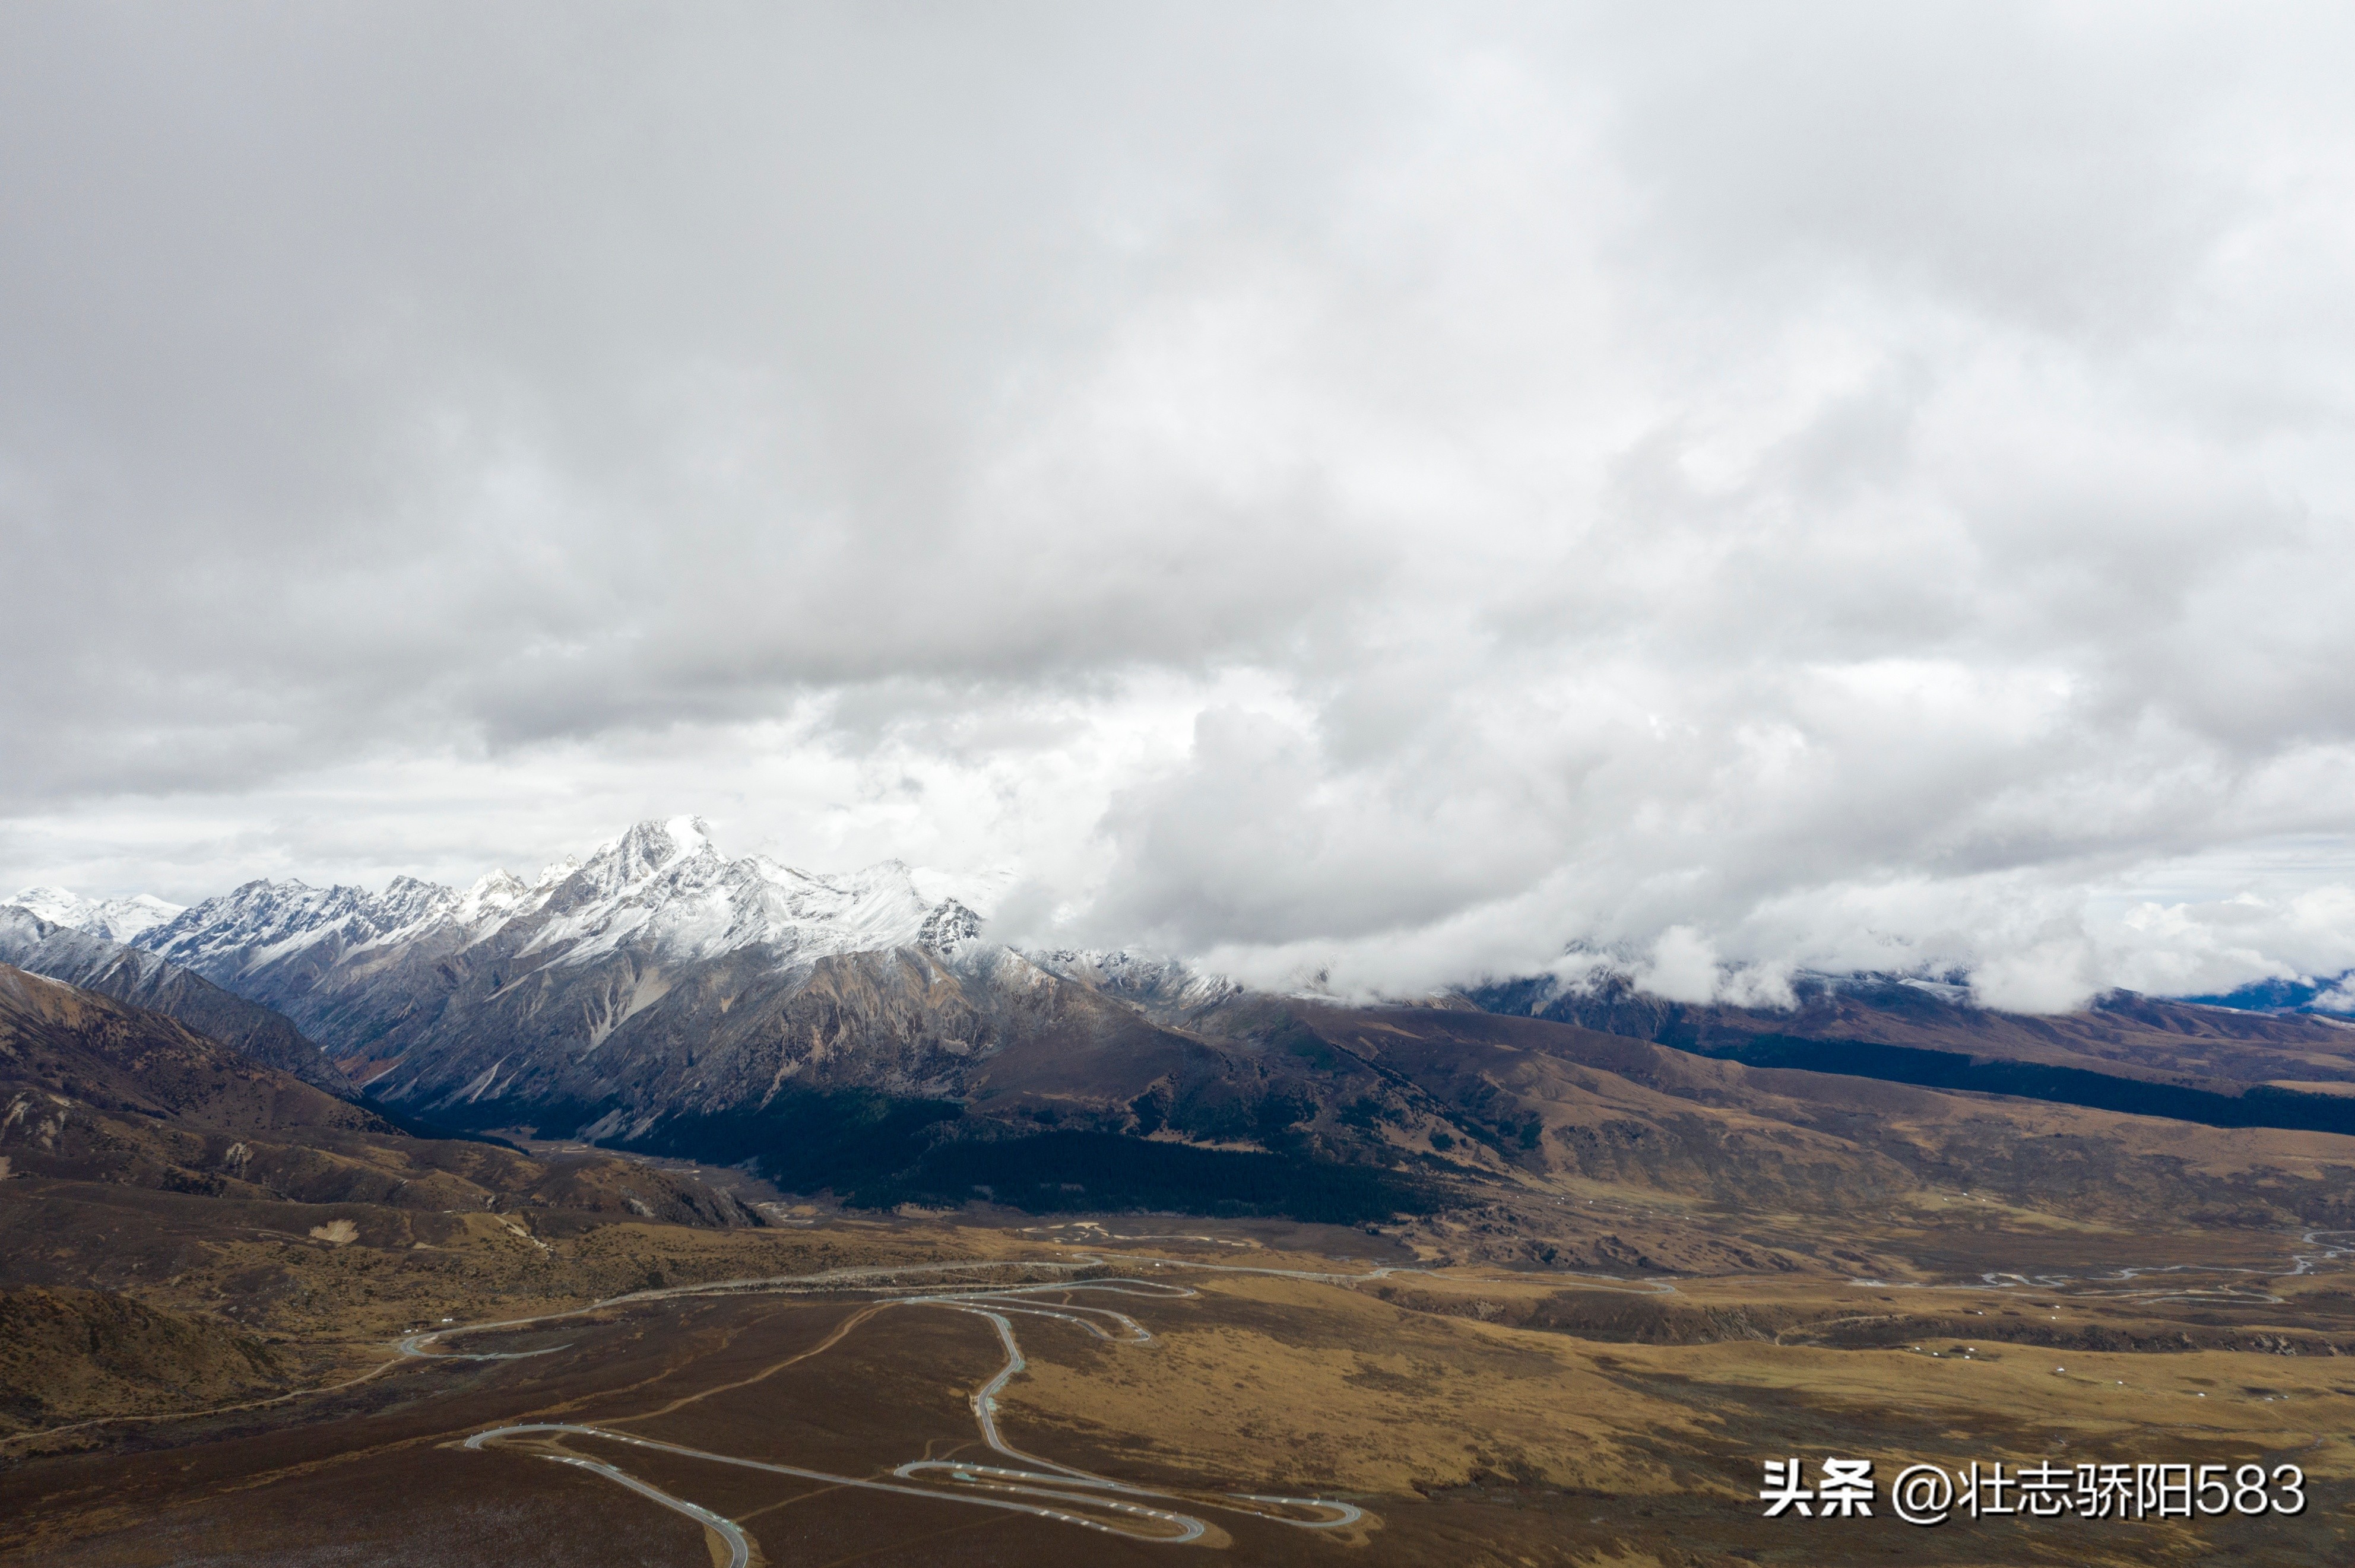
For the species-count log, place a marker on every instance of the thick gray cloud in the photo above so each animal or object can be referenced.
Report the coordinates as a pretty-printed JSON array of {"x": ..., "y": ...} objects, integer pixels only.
[{"x": 1320, "y": 489}]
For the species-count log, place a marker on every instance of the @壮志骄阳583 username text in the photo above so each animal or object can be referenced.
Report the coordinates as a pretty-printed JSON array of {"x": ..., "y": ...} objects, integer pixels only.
[{"x": 1931, "y": 1494}]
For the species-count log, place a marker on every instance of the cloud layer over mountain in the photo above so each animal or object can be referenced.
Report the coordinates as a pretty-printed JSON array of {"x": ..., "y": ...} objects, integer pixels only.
[{"x": 1324, "y": 489}]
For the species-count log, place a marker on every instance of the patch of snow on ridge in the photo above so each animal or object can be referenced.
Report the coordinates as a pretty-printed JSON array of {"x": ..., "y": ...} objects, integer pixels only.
[
  {"x": 116, "y": 919},
  {"x": 499, "y": 896},
  {"x": 54, "y": 904},
  {"x": 949, "y": 927},
  {"x": 1155, "y": 981},
  {"x": 35, "y": 944},
  {"x": 495, "y": 895}
]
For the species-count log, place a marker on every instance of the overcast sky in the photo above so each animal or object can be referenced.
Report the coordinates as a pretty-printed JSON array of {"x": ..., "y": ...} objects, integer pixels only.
[{"x": 1305, "y": 487}]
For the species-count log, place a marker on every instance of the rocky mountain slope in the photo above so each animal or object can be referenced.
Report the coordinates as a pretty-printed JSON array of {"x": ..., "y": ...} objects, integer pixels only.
[
  {"x": 165, "y": 1196},
  {"x": 112, "y": 969},
  {"x": 96, "y": 1091},
  {"x": 65, "y": 1353},
  {"x": 1532, "y": 1098}
]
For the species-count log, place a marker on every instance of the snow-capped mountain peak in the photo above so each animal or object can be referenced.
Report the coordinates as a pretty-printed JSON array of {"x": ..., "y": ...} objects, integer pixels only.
[
  {"x": 662, "y": 890},
  {"x": 495, "y": 896},
  {"x": 647, "y": 851},
  {"x": 116, "y": 919}
]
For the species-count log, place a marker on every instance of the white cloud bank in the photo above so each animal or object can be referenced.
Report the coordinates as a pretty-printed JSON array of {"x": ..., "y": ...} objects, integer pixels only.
[{"x": 1326, "y": 490}]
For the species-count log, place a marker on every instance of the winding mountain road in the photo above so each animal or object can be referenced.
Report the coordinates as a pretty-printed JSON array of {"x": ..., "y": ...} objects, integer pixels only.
[{"x": 1030, "y": 1484}]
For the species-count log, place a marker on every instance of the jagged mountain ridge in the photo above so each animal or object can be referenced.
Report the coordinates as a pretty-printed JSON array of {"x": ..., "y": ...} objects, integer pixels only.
[
  {"x": 654, "y": 976},
  {"x": 144, "y": 980},
  {"x": 662, "y": 889}
]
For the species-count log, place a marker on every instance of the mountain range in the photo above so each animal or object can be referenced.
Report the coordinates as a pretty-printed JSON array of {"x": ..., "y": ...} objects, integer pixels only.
[
  {"x": 862, "y": 1033},
  {"x": 655, "y": 975}
]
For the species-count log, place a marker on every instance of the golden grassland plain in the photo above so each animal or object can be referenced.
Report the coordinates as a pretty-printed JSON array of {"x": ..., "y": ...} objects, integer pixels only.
[{"x": 1478, "y": 1413}]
